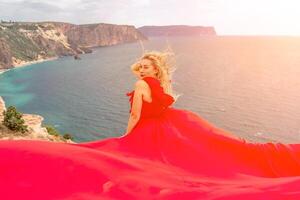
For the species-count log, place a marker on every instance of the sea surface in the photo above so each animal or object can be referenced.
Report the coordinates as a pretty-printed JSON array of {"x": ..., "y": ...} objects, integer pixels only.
[{"x": 249, "y": 86}]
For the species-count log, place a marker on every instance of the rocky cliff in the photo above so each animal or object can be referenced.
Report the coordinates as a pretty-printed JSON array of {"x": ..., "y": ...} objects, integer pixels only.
[
  {"x": 5, "y": 54},
  {"x": 177, "y": 30},
  {"x": 22, "y": 42},
  {"x": 95, "y": 35},
  {"x": 35, "y": 129}
]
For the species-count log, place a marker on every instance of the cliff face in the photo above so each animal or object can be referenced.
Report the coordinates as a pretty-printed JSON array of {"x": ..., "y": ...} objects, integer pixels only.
[
  {"x": 95, "y": 35},
  {"x": 177, "y": 30},
  {"x": 25, "y": 42},
  {"x": 5, "y": 54}
]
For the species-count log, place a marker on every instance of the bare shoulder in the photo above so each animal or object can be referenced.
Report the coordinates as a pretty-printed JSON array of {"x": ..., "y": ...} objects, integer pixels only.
[{"x": 141, "y": 84}]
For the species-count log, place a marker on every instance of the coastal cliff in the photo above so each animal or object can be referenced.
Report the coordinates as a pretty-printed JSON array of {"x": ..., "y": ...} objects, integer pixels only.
[
  {"x": 35, "y": 129},
  {"x": 177, "y": 30},
  {"x": 26, "y": 42},
  {"x": 95, "y": 35},
  {"x": 5, "y": 54}
]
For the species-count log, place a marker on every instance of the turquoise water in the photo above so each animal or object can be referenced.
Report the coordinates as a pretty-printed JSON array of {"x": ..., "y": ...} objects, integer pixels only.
[{"x": 246, "y": 85}]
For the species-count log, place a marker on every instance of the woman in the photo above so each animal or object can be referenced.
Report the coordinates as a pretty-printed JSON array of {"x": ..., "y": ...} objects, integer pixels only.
[
  {"x": 152, "y": 65},
  {"x": 166, "y": 153}
]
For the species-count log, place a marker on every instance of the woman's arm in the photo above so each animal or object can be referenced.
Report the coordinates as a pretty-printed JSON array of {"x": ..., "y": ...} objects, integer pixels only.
[{"x": 136, "y": 109}]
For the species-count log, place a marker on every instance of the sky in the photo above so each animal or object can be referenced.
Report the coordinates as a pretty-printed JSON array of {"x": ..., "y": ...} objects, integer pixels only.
[{"x": 228, "y": 17}]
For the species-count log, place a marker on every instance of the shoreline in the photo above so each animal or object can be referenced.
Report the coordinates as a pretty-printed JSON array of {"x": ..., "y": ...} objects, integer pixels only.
[{"x": 28, "y": 63}]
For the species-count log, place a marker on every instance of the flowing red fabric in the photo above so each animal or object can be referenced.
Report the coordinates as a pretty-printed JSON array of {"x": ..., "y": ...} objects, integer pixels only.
[{"x": 170, "y": 154}]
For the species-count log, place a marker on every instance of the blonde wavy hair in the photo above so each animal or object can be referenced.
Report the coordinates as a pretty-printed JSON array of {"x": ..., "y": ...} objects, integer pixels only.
[{"x": 164, "y": 63}]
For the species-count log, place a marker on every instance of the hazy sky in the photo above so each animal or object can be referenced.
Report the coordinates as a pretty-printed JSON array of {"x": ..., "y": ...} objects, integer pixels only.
[{"x": 229, "y": 17}]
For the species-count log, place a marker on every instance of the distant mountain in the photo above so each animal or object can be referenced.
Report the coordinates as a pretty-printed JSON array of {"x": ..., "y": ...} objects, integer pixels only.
[
  {"x": 177, "y": 30},
  {"x": 22, "y": 42}
]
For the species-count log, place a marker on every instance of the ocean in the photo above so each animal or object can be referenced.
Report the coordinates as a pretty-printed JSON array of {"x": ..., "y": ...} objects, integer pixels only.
[{"x": 246, "y": 85}]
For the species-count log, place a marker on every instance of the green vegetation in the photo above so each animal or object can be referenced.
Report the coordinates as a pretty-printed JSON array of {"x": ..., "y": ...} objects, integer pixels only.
[
  {"x": 67, "y": 136},
  {"x": 13, "y": 124},
  {"x": 52, "y": 131},
  {"x": 13, "y": 120}
]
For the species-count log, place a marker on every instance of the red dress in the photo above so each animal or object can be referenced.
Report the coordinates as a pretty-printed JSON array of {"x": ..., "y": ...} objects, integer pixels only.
[{"x": 170, "y": 154}]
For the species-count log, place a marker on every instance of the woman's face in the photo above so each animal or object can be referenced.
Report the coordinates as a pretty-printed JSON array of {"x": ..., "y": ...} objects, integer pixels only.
[{"x": 147, "y": 69}]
